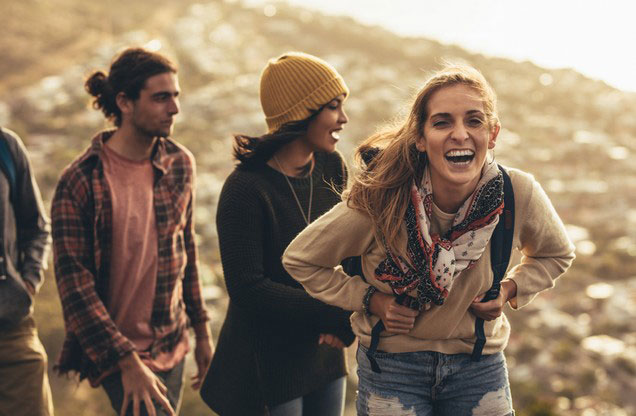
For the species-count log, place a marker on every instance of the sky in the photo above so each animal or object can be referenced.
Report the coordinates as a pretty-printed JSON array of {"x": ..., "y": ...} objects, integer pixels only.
[{"x": 596, "y": 38}]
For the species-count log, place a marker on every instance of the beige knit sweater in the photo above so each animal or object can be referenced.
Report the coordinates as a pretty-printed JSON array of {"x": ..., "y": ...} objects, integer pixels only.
[{"x": 313, "y": 256}]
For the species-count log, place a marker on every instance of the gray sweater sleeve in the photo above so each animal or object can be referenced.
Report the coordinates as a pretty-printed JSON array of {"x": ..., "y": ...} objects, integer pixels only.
[{"x": 33, "y": 226}]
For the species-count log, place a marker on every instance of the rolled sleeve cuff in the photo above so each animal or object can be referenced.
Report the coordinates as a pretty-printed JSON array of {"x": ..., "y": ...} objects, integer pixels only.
[
  {"x": 112, "y": 355},
  {"x": 199, "y": 317}
]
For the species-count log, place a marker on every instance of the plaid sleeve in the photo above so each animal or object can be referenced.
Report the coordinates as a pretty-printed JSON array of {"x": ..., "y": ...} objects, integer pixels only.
[
  {"x": 191, "y": 283},
  {"x": 85, "y": 314}
]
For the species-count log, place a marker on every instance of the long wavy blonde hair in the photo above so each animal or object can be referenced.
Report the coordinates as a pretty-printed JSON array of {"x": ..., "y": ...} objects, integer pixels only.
[{"x": 381, "y": 186}]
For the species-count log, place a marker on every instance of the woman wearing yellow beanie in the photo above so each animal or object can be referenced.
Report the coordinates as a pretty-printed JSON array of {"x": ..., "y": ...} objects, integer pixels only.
[{"x": 280, "y": 351}]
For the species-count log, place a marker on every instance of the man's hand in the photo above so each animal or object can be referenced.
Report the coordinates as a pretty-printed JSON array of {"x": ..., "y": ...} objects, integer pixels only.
[
  {"x": 30, "y": 287},
  {"x": 397, "y": 319},
  {"x": 493, "y": 309},
  {"x": 141, "y": 384},
  {"x": 331, "y": 340},
  {"x": 203, "y": 353}
]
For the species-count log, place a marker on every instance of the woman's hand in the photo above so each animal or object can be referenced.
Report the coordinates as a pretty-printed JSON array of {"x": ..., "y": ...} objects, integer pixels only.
[
  {"x": 397, "y": 319},
  {"x": 331, "y": 340},
  {"x": 493, "y": 309}
]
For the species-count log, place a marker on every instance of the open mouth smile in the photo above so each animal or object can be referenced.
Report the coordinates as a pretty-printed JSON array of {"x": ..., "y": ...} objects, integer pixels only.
[{"x": 460, "y": 157}]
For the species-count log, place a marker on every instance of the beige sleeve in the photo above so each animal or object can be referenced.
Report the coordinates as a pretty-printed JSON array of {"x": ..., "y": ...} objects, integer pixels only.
[
  {"x": 313, "y": 257},
  {"x": 546, "y": 249}
]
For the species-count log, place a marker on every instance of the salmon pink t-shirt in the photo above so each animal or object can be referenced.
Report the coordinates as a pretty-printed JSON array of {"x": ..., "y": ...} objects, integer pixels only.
[{"x": 134, "y": 256}]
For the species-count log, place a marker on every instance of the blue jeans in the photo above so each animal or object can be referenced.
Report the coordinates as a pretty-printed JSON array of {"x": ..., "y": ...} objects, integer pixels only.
[
  {"x": 427, "y": 383},
  {"x": 326, "y": 401},
  {"x": 172, "y": 379}
]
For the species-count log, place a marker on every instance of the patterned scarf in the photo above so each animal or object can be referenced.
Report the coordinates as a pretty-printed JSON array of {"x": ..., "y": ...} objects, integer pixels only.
[{"x": 436, "y": 261}]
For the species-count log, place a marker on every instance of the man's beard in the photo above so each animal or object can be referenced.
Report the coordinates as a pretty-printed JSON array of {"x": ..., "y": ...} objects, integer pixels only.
[{"x": 151, "y": 134}]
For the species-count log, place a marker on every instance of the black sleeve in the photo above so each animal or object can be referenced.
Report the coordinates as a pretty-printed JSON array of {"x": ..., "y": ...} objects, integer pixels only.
[{"x": 240, "y": 219}]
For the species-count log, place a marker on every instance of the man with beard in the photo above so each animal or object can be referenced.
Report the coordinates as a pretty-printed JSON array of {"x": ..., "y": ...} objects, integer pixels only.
[{"x": 125, "y": 255}]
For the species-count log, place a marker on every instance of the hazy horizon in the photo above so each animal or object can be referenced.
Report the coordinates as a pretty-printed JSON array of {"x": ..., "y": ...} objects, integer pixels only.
[{"x": 589, "y": 37}]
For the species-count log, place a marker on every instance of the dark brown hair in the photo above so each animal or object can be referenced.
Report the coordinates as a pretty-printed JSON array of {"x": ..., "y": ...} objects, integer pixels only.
[
  {"x": 128, "y": 74},
  {"x": 252, "y": 152},
  {"x": 381, "y": 185}
]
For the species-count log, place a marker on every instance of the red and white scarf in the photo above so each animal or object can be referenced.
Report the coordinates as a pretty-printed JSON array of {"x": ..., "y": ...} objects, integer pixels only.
[{"x": 436, "y": 260}]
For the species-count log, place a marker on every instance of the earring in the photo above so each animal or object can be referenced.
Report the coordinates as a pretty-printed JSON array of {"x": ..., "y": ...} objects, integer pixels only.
[{"x": 492, "y": 157}]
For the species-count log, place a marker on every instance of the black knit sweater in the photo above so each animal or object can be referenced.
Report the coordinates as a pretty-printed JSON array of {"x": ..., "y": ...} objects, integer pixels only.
[{"x": 268, "y": 352}]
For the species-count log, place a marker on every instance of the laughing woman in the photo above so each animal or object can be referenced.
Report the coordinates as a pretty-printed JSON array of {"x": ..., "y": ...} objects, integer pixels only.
[
  {"x": 280, "y": 351},
  {"x": 421, "y": 212}
]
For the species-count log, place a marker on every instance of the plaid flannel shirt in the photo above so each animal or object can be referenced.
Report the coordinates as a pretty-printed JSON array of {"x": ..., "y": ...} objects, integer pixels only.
[{"x": 81, "y": 216}]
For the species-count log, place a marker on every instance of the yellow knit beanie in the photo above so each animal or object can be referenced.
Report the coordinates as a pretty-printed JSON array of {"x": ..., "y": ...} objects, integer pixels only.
[{"x": 296, "y": 84}]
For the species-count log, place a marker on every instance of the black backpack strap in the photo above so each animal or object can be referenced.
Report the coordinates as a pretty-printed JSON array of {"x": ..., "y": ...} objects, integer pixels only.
[
  {"x": 7, "y": 165},
  {"x": 500, "y": 250},
  {"x": 353, "y": 267},
  {"x": 375, "y": 338}
]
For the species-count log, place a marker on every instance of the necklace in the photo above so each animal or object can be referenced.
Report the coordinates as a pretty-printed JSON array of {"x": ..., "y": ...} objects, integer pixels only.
[{"x": 307, "y": 217}]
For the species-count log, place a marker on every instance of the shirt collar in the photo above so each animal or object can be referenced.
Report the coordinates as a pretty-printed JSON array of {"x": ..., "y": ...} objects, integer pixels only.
[{"x": 159, "y": 156}]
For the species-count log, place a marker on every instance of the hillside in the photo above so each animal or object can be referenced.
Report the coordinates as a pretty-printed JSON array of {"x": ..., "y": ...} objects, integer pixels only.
[{"x": 573, "y": 349}]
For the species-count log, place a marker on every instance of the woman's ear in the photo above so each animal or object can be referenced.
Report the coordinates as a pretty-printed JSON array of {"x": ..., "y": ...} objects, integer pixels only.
[
  {"x": 493, "y": 136},
  {"x": 420, "y": 143}
]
